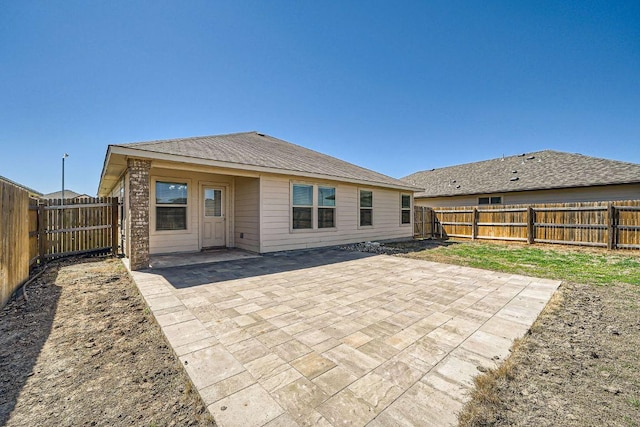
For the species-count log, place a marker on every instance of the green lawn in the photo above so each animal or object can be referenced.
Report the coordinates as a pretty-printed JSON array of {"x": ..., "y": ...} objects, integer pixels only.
[{"x": 564, "y": 264}]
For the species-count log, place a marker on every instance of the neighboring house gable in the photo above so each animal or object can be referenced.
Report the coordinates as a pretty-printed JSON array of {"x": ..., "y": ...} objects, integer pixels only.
[
  {"x": 540, "y": 177},
  {"x": 251, "y": 191},
  {"x": 68, "y": 194}
]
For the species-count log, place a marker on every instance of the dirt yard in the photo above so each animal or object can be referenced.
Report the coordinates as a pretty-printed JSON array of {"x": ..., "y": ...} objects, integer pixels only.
[
  {"x": 579, "y": 366},
  {"x": 84, "y": 350}
]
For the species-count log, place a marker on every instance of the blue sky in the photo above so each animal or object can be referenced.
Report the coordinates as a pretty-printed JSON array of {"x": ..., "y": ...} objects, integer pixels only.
[{"x": 395, "y": 86}]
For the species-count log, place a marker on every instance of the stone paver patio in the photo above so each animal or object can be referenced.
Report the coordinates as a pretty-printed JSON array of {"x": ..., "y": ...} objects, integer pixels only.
[{"x": 330, "y": 337}]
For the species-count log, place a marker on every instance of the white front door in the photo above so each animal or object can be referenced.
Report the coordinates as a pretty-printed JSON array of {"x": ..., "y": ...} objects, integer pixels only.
[{"x": 213, "y": 227}]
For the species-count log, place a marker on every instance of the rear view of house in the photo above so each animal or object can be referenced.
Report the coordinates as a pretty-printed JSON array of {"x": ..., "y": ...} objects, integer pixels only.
[{"x": 249, "y": 191}]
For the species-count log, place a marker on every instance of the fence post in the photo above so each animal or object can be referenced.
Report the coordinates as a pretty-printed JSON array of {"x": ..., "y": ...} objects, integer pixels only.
[
  {"x": 42, "y": 234},
  {"x": 474, "y": 226},
  {"x": 114, "y": 226},
  {"x": 531, "y": 235},
  {"x": 611, "y": 226},
  {"x": 432, "y": 230}
]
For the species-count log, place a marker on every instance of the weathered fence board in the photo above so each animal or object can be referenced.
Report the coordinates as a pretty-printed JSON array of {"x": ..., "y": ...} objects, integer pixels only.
[
  {"x": 73, "y": 227},
  {"x": 614, "y": 225},
  {"x": 14, "y": 239}
]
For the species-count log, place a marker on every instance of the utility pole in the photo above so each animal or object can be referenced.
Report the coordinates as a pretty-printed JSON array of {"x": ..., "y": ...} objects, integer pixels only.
[{"x": 63, "y": 157}]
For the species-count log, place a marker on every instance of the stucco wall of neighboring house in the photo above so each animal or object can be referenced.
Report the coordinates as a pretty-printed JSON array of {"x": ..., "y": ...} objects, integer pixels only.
[
  {"x": 276, "y": 212},
  {"x": 247, "y": 213},
  {"x": 568, "y": 195}
]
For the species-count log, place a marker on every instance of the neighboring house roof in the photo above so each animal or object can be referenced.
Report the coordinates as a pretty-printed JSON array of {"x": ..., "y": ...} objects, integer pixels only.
[
  {"x": 541, "y": 170},
  {"x": 68, "y": 194},
  {"x": 250, "y": 151},
  {"x": 31, "y": 191}
]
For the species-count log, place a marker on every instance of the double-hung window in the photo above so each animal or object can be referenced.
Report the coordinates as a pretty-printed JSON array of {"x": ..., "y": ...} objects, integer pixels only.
[
  {"x": 171, "y": 206},
  {"x": 313, "y": 207},
  {"x": 326, "y": 207},
  {"x": 302, "y": 201},
  {"x": 366, "y": 208},
  {"x": 405, "y": 209}
]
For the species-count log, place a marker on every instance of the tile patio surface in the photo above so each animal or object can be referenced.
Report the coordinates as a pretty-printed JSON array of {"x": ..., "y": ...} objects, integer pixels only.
[{"x": 330, "y": 337}]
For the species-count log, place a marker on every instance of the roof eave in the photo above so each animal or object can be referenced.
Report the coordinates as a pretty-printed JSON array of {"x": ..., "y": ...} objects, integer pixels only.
[
  {"x": 107, "y": 157},
  {"x": 138, "y": 153}
]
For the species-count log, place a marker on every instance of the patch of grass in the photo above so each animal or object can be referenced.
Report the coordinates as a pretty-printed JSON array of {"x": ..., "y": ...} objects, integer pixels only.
[
  {"x": 634, "y": 402},
  {"x": 574, "y": 266},
  {"x": 484, "y": 406}
]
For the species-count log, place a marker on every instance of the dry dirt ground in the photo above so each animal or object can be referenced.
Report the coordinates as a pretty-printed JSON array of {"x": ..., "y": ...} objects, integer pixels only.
[
  {"x": 578, "y": 366},
  {"x": 83, "y": 350}
]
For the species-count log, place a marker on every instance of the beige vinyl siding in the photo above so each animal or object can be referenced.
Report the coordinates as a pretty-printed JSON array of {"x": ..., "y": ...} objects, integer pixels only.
[
  {"x": 568, "y": 195},
  {"x": 247, "y": 213},
  {"x": 275, "y": 212},
  {"x": 185, "y": 240}
]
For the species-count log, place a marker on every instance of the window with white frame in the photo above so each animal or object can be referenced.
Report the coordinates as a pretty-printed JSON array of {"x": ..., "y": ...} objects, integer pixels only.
[
  {"x": 313, "y": 207},
  {"x": 365, "y": 206},
  {"x": 405, "y": 209},
  {"x": 171, "y": 205}
]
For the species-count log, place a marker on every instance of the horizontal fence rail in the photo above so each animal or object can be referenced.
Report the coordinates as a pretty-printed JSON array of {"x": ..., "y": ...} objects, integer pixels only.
[{"x": 612, "y": 225}]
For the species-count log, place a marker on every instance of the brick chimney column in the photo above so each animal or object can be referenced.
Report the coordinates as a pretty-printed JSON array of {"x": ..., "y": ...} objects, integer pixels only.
[{"x": 138, "y": 215}]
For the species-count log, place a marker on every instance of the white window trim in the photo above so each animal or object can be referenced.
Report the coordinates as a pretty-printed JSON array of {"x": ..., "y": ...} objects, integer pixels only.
[
  {"x": 153, "y": 205},
  {"x": 314, "y": 208},
  {"x": 410, "y": 209},
  {"x": 373, "y": 208}
]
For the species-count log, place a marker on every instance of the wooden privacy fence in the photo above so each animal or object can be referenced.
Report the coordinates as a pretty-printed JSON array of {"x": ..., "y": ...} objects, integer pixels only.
[
  {"x": 14, "y": 240},
  {"x": 424, "y": 220},
  {"x": 613, "y": 225},
  {"x": 88, "y": 225}
]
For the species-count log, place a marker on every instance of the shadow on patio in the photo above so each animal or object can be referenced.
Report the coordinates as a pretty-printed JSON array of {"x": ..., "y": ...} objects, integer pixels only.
[{"x": 185, "y": 276}]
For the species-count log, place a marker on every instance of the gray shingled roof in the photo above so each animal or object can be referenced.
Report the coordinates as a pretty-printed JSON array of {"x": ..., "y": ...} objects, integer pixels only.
[
  {"x": 256, "y": 149},
  {"x": 541, "y": 170}
]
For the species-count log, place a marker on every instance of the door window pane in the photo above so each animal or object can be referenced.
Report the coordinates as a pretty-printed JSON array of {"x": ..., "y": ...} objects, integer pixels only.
[{"x": 212, "y": 202}]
